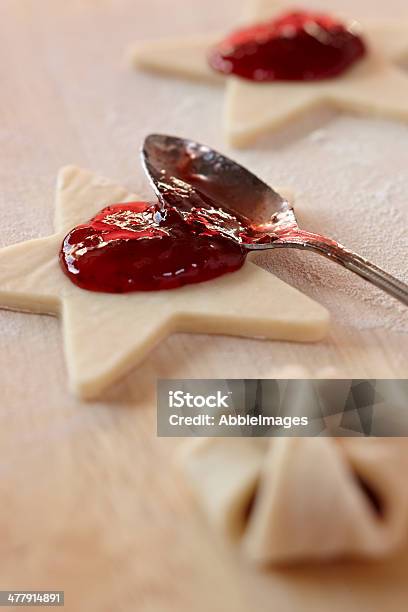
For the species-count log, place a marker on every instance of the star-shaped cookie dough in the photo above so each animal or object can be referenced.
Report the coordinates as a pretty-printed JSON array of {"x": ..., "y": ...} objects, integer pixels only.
[
  {"x": 105, "y": 335},
  {"x": 376, "y": 85}
]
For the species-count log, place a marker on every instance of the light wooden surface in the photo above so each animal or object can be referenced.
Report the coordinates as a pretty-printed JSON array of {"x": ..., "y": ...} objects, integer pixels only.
[{"x": 91, "y": 500}]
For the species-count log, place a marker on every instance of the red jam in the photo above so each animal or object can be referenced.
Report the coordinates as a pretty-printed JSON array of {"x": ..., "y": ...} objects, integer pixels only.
[
  {"x": 298, "y": 46},
  {"x": 140, "y": 246}
]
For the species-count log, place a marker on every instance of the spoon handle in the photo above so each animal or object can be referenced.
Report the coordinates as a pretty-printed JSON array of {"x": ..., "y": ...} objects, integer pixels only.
[{"x": 338, "y": 253}]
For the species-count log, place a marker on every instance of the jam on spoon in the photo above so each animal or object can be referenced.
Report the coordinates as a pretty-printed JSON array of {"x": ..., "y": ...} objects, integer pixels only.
[
  {"x": 140, "y": 246},
  {"x": 298, "y": 46}
]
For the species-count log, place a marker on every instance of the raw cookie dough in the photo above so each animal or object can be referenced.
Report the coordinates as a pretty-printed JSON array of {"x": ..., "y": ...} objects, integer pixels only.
[
  {"x": 300, "y": 499},
  {"x": 105, "y": 335},
  {"x": 374, "y": 86}
]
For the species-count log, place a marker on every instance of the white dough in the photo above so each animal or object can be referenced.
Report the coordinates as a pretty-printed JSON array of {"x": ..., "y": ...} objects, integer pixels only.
[
  {"x": 374, "y": 86},
  {"x": 299, "y": 499},
  {"x": 105, "y": 335}
]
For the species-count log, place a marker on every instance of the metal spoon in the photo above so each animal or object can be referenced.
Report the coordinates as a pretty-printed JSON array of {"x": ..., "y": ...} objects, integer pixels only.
[{"x": 195, "y": 168}]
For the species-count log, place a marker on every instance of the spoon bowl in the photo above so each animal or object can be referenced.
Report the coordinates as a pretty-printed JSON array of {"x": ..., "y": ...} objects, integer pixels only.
[
  {"x": 168, "y": 158},
  {"x": 193, "y": 170}
]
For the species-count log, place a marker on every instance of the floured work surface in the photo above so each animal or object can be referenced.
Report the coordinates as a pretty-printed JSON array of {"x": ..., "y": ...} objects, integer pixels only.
[{"x": 91, "y": 502}]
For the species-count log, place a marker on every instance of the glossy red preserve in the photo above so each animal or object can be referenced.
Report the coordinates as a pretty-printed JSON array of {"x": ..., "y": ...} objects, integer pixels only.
[
  {"x": 298, "y": 46},
  {"x": 140, "y": 246}
]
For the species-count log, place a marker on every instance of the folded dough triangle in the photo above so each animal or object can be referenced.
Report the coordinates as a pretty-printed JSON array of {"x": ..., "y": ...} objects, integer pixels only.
[{"x": 297, "y": 499}]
